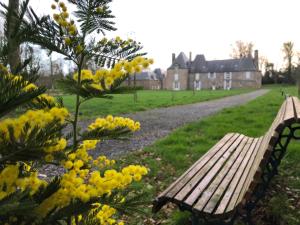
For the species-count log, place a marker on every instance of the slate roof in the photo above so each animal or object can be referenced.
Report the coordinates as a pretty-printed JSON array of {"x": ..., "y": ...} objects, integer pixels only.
[
  {"x": 201, "y": 65},
  {"x": 181, "y": 61},
  {"x": 146, "y": 75}
]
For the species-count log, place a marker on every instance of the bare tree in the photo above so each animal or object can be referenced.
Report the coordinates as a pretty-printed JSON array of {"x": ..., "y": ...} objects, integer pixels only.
[
  {"x": 288, "y": 51},
  {"x": 296, "y": 72},
  {"x": 3, "y": 56},
  {"x": 33, "y": 54},
  {"x": 13, "y": 56},
  {"x": 160, "y": 76},
  {"x": 263, "y": 62},
  {"x": 242, "y": 49}
]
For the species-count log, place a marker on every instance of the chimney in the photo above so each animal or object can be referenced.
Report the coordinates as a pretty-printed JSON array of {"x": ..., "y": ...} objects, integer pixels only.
[
  {"x": 190, "y": 57},
  {"x": 256, "y": 59},
  {"x": 173, "y": 57}
]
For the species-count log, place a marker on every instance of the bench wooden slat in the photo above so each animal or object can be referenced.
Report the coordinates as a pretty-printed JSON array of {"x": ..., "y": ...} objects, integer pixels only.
[
  {"x": 231, "y": 195},
  {"x": 297, "y": 108},
  {"x": 210, "y": 172},
  {"x": 273, "y": 133},
  {"x": 276, "y": 127},
  {"x": 201, "y": 163},
  {"x": 223, "y": 187},
  {"x": 181, "y": 181},
  {"x": 289, "y": 115},
  {"x": 233, "y": 200},
  {"x": 213, "y": 193},
  {"x": 279, "y": 122},
  {"x": 255, "y": 168}
]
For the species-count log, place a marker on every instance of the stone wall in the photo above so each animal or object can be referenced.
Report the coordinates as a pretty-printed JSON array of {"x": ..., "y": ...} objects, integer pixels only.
[
  {"x": 182, "y": 79},
  {"x": 146, "y": 84},
  {"x": 238, "y": 80}
]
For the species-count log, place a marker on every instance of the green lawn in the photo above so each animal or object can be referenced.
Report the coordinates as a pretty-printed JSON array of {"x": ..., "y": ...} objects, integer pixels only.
[
  {"x": 171, "y": 156},
  {"x": 124, "y": 103}
]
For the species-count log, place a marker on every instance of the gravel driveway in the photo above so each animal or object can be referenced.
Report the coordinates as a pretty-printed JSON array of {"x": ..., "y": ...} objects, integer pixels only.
[{"x": 158, "y": 123}]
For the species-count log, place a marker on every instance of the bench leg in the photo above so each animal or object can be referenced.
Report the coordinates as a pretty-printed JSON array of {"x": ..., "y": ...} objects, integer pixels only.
[
  {"x": 197, "y": 221},
  {"x": 249, "y": 220}
]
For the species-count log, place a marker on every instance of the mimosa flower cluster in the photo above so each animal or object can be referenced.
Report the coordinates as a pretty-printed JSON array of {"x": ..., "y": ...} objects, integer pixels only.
[
  {"x": 31, "y": 119},
  {"x": 84, "y": 179},
  {"x": 68, "y": 26},
  {"x": 43, "y": 97},
  {"x": 79, "y": 182},
  {"x": 105, "y": 214},
  {"x": 11, "y": 182},
  {"x": 120, "y": 70},
  {"x": 114, "y": 123},
  {"x": 29, "y": 87}
]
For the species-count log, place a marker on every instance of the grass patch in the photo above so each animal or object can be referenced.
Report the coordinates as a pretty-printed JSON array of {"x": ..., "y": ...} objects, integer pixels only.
[
  {"x": 124, "y": 103},
  {"x": 171, "y": 156}
]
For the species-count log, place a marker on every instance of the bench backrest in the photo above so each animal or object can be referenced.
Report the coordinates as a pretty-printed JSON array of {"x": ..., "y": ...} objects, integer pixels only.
[{"x": 288, "y": 114}]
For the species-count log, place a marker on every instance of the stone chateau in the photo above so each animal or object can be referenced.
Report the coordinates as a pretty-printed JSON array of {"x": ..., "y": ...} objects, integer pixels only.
[{"x": 185, "y": 73}]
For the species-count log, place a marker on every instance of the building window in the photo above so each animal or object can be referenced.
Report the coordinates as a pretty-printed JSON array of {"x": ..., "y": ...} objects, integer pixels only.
[
  {"x": 227, "y": 76},
  {"x": 197, "y": 85},
  {"x": 176, "y": 77},
  {"x": 227, "y": 81},
  {"x": 248, "y": 75},
  {"x": 211, "y": 75},
  {"x": 197, "y": 76},
  {"x": 176, "y": 85}
]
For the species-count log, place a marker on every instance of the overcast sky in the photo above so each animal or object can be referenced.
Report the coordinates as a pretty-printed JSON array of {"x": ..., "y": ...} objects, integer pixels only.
[{"x": 208, "y": 27}]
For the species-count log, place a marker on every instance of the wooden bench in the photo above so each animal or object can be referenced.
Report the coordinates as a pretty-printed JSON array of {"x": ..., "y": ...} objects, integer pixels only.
[{"x": 233, "y": 175}]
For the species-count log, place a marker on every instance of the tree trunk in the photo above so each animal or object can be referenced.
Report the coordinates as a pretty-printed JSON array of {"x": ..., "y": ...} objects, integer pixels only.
[
  {"x": 134, "y": 86},
  {"x": 51, "y": 72},
  {"x": 134, "y": 81},
  {"x": 298, "y": 84},
  {"x": 13, "y": 45},
  {"x": 290, "y": 74},
  {"x": 129, "y": 81}
]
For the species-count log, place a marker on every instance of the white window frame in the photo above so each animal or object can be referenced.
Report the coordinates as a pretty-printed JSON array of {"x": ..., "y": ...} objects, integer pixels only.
[
  {"x": 176, "y": 85},
  {"x": 197, "y": 85},
  {"x": 176, "y": 77},
  {"x": 248, "y": 75},
  {"x": 227, "y": 80},
  {"x": 212, "y": 75}
]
